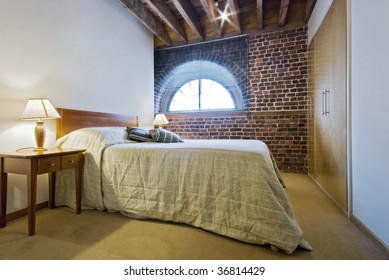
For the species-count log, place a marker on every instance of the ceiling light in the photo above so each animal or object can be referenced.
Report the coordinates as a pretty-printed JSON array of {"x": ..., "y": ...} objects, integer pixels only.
[{"x": 224, "y": 15}]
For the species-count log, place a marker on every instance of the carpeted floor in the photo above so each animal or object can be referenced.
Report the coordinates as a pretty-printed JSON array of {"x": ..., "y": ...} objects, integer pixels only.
[{"x": 61, "y": 234}]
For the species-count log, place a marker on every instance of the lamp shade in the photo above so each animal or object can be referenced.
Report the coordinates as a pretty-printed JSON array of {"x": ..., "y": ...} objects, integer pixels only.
[
  {"x": 160, "y": 119},
  {"x": 39, "y": 109}
]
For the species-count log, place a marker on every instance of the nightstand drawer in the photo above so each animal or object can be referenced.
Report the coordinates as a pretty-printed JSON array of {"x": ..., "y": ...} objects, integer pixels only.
[
  {"x": 49, "y": 164},
  {"x": 71, "y": 161}
]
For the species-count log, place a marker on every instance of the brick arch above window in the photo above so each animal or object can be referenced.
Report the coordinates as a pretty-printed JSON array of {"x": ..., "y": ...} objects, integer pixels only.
[
  {"x": 199, "y": 69},
  {"x": 231, "y": 54}
]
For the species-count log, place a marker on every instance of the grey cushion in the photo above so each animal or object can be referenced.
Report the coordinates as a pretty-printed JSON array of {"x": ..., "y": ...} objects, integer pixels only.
[
  {"x": 164, "y": 136},
  {"x": 139, "y": 134}
]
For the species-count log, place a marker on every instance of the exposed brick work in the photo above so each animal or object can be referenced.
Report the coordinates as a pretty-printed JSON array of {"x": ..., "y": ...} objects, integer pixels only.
[
  {"x": 278, "y": 71},
  {"x": 230, "y": 53},
  {"x": 284, "y": 133},
  {"x": 275, "y": 109}
]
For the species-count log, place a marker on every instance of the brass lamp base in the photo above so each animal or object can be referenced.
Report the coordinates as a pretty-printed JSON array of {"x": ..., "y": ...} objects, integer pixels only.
[
  {"x": 39, "y": 149},
  {"x": 40, "y": 135}
]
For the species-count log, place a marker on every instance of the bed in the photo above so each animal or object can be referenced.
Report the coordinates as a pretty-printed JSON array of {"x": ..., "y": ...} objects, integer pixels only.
[{"x": 230, "y": 187}]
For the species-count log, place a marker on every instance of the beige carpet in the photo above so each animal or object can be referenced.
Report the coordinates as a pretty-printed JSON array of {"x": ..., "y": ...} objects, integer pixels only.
[{"x": 61, "y": 234}]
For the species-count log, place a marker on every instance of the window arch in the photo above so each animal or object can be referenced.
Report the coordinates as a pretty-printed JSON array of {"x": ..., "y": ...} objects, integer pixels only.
[
  {"x": 201, "y": 94},
  {"x": 201, "y": 70}
]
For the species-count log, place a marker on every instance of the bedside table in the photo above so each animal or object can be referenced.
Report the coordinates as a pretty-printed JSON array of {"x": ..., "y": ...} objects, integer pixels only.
[{"x": 32, "y": 163}]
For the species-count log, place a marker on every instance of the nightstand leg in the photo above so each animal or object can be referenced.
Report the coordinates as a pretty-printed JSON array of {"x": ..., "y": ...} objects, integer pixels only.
[
  {"x": 31, "y": 192},
  {"x": 78, "y": 188},
  {"x": 52, "y": 190},
  {"x": 3, "y": 196}
]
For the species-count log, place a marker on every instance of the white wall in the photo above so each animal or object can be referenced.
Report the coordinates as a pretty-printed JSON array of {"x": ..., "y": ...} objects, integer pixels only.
[
  {"x": 85, "y": 54},
  {"x": 370, "y": 114}
]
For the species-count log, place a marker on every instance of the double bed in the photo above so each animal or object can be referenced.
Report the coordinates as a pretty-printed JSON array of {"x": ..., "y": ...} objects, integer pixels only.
[{"x": 230, "y": 187}]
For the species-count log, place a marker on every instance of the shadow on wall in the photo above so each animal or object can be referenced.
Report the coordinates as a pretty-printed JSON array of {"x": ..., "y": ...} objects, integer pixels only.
[{"x": 10, "y": 110}]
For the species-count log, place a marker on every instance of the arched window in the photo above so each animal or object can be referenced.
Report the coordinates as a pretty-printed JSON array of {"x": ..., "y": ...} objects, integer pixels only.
[
  {"x": 201, "y": 94},
  {"x": 202, "y": 82}
]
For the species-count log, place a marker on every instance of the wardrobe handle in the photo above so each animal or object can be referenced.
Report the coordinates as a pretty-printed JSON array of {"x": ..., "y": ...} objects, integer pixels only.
[{"x": 327, "y": 102}]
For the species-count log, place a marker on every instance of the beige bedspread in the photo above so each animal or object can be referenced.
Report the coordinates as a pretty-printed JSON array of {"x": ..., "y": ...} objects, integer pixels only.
[{"x": 229, "y": 187}]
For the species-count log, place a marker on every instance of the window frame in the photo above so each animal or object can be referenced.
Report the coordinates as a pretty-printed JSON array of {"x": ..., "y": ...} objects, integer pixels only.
[
  {"x": 200, "y": 69},
  {"x": 199, "y": 93}
]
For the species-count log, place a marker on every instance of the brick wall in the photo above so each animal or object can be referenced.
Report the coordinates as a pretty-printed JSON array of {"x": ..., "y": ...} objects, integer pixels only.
[
  {"x": 232, "y": 54},
  {"x": 275, "y": 109},
  {"x": 278, "y": 71},
  {"x": 284, "y": 133}
]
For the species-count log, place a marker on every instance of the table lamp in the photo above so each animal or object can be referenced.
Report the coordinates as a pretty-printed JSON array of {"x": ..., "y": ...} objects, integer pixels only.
[
  {"x": 39, "y": 109},
  {"x": 160, "y": 120}
]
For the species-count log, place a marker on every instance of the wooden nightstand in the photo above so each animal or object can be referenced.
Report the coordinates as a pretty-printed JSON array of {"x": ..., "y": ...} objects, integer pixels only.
[{"x": 32, "y": 163}]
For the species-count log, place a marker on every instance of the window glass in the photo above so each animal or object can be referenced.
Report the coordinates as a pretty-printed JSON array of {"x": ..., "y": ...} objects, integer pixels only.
[{"x": 201, "y": 94}]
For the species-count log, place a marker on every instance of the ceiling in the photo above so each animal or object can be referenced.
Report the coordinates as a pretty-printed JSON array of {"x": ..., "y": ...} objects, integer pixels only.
[{"x": 183, "y": 22}]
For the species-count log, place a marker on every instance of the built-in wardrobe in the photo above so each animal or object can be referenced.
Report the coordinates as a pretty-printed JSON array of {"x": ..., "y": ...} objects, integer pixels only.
[{"x": 327, "y": 92}]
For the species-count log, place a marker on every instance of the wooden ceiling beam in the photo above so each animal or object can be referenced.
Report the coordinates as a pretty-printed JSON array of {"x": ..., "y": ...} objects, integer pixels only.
[
  {"x": 309, "y": 9},
  {"x": 189, "y": 14},
  {"x": 234, "y": 9},
  {"x": 141, "y": 12},
  {"x": 210, "y": 10},
  {"x": 260, "y": 14},
  {"x": 283, "y": 12},
  {"x": 160, "y": 8}
]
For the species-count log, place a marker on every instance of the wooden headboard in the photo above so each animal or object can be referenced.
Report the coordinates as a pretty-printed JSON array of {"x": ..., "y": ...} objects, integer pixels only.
[{"x": 75, "y": 119}]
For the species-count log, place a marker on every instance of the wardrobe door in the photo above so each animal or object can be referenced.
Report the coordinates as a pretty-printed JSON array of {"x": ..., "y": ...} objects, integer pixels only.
[
  {"x": 322, "y": 135},
  {"x": 337, "y": 106},
  {"x": 327, "y": 158},
  {"x": 311, "y": 108}
]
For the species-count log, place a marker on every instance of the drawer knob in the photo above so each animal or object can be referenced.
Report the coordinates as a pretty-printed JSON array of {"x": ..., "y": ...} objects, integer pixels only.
[
  {"x": 72, "y": 161},
  {"x": 52, "y": 164}
]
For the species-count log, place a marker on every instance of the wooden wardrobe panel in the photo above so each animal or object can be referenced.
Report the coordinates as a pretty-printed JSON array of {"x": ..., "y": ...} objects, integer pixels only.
[
  {"x": 328, "y": 160},
  {"x": 337, "y": 185},
  {"x": 311, "y": 109}
]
